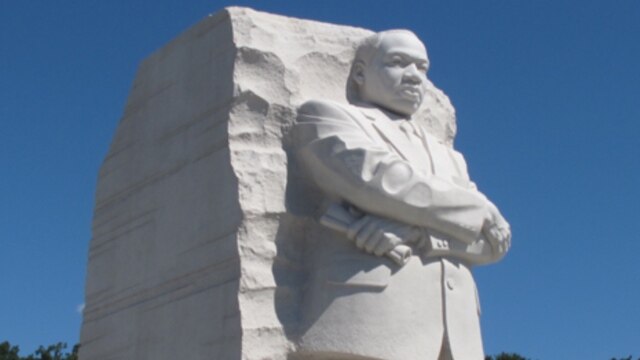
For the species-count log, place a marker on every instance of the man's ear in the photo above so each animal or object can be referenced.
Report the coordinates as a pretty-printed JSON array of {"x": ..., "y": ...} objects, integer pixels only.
[{"x": 358, "y": 72}]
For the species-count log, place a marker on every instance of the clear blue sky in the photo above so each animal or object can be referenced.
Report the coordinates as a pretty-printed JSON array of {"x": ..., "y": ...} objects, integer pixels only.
[{"x": 548, "y": 102}]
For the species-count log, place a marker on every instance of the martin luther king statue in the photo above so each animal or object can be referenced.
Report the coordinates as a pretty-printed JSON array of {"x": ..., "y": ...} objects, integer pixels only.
[{"x": 402, "y": 224}]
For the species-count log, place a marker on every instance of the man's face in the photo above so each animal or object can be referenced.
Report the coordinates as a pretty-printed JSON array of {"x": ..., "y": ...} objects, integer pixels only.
[{"x": 395, "y": 77}]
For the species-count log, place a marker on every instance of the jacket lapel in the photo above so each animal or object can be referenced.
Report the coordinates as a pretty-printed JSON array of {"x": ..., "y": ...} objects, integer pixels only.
[{"x": 395, "y": 138}]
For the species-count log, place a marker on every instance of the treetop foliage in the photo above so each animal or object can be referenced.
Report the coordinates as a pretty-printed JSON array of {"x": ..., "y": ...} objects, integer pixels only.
[
  {"x": 51, "y": 352},
  {"x": 56, "y": 352},
  {"x": 514, "y": 356},
  {"x": 506, "y": 356}
]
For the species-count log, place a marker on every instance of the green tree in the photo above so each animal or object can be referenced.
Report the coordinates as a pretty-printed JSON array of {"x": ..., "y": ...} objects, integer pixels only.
[
  {"x": 51, "y": 352},
  {"x": 8, "y": 352},
  {"x": 506, "y": 356}
]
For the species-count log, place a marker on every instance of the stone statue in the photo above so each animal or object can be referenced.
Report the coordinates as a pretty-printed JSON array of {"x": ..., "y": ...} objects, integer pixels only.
[
  {"x": 402, "y": 222},
  {"x": 203, "y": 246}
]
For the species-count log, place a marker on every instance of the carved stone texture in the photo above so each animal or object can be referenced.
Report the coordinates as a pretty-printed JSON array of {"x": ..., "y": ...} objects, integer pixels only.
[{"x": 196, "y": 234}]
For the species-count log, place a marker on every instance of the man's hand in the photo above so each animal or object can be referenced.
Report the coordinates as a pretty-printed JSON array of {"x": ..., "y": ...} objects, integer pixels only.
[
  {"x": 497, "y": 230},
  {"x": 378, "y": 236}
]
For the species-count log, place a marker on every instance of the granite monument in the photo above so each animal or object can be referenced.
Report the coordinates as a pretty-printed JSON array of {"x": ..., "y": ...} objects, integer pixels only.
[{"x": 281, "y": 188}]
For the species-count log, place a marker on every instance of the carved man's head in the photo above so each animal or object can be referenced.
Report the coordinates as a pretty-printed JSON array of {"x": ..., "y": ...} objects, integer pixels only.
[{"x": 390, "y": 69}]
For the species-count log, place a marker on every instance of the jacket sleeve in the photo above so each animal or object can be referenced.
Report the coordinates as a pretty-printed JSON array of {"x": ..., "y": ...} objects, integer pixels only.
[{"x": 345, "y": 162}]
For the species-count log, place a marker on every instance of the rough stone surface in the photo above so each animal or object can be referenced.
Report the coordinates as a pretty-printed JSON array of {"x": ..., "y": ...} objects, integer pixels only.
[{"x": 197, "y": 226}]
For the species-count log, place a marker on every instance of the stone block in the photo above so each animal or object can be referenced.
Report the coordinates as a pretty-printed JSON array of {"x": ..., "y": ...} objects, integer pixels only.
[{"x": 197, "y": 229}]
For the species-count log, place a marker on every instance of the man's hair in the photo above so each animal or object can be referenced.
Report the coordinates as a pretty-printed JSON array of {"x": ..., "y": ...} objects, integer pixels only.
[
  {"x": 365, "y": 51},
  {"x": 369, "y": 45}
]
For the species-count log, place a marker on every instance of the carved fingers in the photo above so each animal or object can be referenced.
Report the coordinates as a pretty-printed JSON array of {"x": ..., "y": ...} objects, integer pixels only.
[
  {"x": 379, "y": 236},
  {"x": 498, "y": 232},
  {"x": 506, "y": 235}
]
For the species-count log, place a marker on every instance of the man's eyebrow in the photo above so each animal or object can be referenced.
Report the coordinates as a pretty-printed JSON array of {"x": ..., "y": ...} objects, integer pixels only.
[{"x": 407, "y": 56}]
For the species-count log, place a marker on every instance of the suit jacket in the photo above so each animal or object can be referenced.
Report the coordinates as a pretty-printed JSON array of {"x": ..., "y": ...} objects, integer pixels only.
[{"x": 360, "y": 304}]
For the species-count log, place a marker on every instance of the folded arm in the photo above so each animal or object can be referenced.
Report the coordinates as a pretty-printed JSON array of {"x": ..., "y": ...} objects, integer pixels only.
[{"x": 347, "y": 163}]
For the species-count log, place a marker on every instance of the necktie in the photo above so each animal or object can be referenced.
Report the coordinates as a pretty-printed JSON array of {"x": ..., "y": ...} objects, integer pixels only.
[{"x": 410, "y": 131}]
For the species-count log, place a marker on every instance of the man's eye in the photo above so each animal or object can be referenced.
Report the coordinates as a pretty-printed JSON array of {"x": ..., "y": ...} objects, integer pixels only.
[{"x": 397, "y": 62}]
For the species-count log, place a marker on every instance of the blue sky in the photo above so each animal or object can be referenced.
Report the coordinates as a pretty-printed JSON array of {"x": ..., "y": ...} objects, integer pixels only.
[{"x": 547, "y": 96}]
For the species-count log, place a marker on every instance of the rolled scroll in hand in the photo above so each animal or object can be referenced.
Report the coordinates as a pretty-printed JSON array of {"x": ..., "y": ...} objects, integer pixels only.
[{"x": 340, "y": 219}]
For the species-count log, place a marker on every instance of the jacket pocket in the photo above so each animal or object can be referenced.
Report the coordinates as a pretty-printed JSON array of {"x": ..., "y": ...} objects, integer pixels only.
[{"x": 356, "y": 273}]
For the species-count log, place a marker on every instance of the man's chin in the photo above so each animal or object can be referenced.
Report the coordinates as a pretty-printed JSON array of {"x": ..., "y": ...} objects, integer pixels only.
[
  {"x": 407, "y": 107},
  {"x": 400, "y": 106}
]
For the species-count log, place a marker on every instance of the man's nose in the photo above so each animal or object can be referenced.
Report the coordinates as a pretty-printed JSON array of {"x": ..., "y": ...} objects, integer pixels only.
[{"x": 412, "y": 74}]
